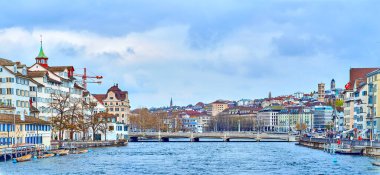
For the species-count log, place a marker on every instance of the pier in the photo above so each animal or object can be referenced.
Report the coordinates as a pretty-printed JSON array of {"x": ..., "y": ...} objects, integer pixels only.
[
  {"x": 370, "y": 148},
  {"x": 7, "y": 154}
]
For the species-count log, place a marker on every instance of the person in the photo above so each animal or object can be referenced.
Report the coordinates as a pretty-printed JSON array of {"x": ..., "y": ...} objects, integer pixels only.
[
  {"x": 360, "y": 138},
  {"x": 338, "y": 142}
]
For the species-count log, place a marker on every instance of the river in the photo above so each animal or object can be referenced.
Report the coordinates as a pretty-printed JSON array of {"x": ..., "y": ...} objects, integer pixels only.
[{"x": 198, "y": 158}]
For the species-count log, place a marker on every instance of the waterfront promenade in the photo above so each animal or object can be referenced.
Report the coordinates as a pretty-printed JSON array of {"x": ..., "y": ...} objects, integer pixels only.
[
  {"x": 226, "y": 136},
  {"x": 370, "y": 148}
]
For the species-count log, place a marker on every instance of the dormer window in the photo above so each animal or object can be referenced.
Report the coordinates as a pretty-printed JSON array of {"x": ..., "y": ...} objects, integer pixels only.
[
  {"x": 24, "y": 70},
  {"x": 15, "y": 68}
]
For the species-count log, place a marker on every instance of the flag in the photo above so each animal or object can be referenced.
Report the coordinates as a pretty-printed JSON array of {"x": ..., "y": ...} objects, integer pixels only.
[{"x": 348, "y": 85}]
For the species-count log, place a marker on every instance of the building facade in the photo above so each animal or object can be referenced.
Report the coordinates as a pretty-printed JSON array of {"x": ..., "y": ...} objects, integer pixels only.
[
  {"x": 267, "y": 119},
  {"x": 323, "y": 116},
  {"x": 294, "y": 118},
  {"x": 116, "y": 102}
]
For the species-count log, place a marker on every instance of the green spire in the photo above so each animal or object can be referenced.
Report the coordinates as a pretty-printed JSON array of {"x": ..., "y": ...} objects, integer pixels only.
[{"x": 41, "y": 54}]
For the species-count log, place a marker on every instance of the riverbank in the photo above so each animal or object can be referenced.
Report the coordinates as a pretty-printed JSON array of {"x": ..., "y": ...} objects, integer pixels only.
[
  {"x": 367, "y": 148},
  {"x": 87, "y": 144}
]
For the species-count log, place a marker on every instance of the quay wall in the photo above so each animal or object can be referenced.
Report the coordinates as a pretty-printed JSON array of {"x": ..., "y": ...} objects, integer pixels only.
[{"x": 370, "y": 148}]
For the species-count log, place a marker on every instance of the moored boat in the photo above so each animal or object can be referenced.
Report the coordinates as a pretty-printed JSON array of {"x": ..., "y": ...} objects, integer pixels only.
[
  {"x": 376, "y": 163},
  {"x": 349, "y": 151},
  {"x": 23, "y": 158},
  {"x": 83, "y": 151},
  {"x": 46, "y": 156},
  {"x": 61, "y": 152}
]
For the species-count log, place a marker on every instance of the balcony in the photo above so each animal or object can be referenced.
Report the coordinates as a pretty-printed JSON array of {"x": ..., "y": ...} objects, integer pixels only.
[{"x": 348, "y": 99}]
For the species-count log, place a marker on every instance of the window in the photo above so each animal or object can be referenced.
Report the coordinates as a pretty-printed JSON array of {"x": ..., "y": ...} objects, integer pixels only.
[
  {"x": 111, "y": 98},
  {"x": 116, "y": 109},
  {"x": 110, "y": 128}
]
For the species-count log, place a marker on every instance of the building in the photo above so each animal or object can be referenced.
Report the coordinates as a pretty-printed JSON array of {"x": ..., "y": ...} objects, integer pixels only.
[
  {"x": 321, "y": 92},
  {"x": 267, "y": 119},
  {"x": 294, "y": 118},
  {"x": 110, "y": 129},
  {"x": 361, "y": 107},
  {"x": 218, "y": 106},
  {"x": 16, "y": 129},
  {"x": 116, "y": 102},
  {"x": 239, "y": 118},
  {"x": 323, "y": 116},
  {"x": 348, "y": 109},
  {"x": 357, "y": 75},
  {"x": 245, "y": 102},
  {"x": 16, "y": 87},
  {"x": 373, "y": 80},
  {"x": 54, "y": 82}
]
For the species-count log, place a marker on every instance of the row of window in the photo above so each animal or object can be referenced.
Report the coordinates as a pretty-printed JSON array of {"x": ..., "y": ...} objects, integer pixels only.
[
  {"x": 23, "y": 104},
  {"x": 7, "y": 91},
  {"x": 21, "y": 92},
  {"x": 30, "y": 140},
  {"x": 7, "y": 80},
  {"x": 22, "y": 81},
  {"x": 116, "y": 109},
  {"x": 120, "y": 128},
  {"x": 6, "y": 127},
  {"x": 6, "y": 140},
  {"x": 111, "y": 104},
  {"x": 34, "y": 127}
]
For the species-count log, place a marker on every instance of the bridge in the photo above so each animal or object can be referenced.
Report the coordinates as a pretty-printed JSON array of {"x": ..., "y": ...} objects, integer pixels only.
[{"x": 195, "y": 137}]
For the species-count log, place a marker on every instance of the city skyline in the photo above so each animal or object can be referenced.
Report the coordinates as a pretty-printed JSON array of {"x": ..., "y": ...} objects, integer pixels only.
[{"x": 210, "y": 51}]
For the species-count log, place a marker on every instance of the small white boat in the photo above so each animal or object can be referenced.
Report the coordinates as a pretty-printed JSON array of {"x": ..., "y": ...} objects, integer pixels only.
[{"x": 376, "y": 163}]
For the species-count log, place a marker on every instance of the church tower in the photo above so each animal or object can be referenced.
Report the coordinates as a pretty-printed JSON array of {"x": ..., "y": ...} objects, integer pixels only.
[
  {"x": 332, "y": 85},
  {"x": 42, "y": 59}
]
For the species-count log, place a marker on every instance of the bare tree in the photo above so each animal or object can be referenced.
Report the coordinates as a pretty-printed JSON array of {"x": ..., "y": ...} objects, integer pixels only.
[
  {"x": 60, "y": 105},
  {"x": 97, "y": 122},
  {"x": 74, "y": 112}
]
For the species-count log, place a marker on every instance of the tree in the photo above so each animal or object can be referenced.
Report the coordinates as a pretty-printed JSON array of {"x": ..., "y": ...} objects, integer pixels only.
[
  {"x": 339, "y": 103},
  {"x": 74, "y": 112},
  {"x": 98, "y": 122},
  {"x": 59, "y": 105}
]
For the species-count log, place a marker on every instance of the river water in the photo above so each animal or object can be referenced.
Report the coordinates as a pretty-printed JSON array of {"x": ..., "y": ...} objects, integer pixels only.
[{"x": 198, "y": 158}]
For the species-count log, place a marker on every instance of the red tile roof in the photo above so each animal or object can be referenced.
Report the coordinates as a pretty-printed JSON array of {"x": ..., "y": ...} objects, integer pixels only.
[
  {"x": 119, "y": 94},
  {"x": 356, "y": 73},
  {"x": 100, "y": 97}
]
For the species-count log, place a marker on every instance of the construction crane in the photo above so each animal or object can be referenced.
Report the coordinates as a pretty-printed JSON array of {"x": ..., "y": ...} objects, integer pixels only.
[{"x": 84, "y": 77}]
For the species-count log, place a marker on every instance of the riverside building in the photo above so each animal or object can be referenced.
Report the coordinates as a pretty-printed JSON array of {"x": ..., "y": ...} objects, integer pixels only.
[{"x": 116, "y": 102}]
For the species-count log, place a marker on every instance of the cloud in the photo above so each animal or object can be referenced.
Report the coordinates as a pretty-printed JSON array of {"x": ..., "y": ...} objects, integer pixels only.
[{"x": 198, "y": 51}]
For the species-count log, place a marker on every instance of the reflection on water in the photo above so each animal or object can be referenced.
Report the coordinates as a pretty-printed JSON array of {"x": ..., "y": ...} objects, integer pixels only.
[{"x": 198, "y": 158}]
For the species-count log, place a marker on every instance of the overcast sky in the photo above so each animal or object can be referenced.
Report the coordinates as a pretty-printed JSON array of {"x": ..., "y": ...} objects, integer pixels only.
[{"x": 197, "y": 50}]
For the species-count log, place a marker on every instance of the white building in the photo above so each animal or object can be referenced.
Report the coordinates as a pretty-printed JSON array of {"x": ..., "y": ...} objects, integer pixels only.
[
  {"x": 267, "y": 119},
  {"x": 16, "y": 86},
  {"x": 361, "y": 107}
]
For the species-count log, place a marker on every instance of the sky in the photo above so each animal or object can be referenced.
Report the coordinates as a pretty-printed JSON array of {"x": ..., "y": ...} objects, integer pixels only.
[{"x": 197, "y": 50}]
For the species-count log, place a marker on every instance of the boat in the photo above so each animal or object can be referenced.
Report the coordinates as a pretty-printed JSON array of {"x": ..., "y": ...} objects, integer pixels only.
[
  {"x": 83, "y": 151},
  {"x": 376, "y": 163},
  {"x": 46, "y": 156},
  {"x": 23, "y": 158},
  {"x": 352, "y": 151},
  {"x": 61, "y": 152}
]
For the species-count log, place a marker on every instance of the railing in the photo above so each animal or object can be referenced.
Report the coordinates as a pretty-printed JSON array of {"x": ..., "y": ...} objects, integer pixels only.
[{"x": 344, "y": 141}]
